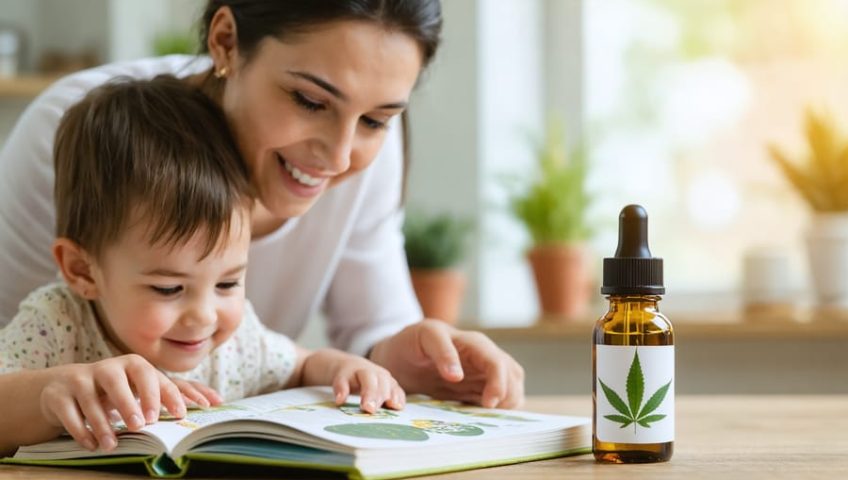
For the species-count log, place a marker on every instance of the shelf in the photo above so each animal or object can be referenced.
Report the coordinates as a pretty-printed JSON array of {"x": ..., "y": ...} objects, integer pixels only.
[
  {"x": 722, "y": 326},
  {"x": 24, "y": 86}
]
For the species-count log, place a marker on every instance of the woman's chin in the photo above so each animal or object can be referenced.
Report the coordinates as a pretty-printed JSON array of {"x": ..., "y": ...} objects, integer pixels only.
[{"x": 284, "y": 207}]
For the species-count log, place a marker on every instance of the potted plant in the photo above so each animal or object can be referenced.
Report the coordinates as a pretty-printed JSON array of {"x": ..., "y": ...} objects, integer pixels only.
[
  {"x": 434, "y": 246},
  {"x": 821, "y": 178},
  {"x": 553, "y": 208}
]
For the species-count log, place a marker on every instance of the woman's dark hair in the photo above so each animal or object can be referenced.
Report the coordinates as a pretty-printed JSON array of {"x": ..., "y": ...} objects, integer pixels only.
[{"x": 257, "y": 19}]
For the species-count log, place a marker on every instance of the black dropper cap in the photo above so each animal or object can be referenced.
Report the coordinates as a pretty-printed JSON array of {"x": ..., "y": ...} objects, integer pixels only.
[{"x": 633, "y": 271}]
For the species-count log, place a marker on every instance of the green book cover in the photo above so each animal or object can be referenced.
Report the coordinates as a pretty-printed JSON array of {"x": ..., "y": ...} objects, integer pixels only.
[{"x": 303, "y": 428}]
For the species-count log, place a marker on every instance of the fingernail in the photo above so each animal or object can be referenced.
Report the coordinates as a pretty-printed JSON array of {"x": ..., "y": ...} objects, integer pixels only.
[
  {"x": 151, "y": 416},
  {"x": 89, "y": 445},
  {"x": 455, "y": 369},
  {"x": 136, "y": 421},
  {"x": 107, "y": 442},
  {"x": 371, "y": 405}
]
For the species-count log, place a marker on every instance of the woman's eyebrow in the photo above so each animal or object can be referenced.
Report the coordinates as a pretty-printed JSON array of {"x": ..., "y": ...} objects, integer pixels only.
[
  {"x": 334, "y": 91},
  {"x": 321, "y": 83}
]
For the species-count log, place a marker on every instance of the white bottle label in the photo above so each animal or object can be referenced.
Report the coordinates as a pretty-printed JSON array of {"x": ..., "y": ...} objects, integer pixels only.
[{"x": 634, "y": 391}]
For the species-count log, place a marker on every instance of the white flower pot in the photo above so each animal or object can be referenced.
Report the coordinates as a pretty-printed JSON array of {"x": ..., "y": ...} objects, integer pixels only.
[{"x": 827, "y": 248}]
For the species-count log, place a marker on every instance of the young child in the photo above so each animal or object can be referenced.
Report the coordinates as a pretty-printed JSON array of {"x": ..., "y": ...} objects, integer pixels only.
[{"x": 153, "y": 224}]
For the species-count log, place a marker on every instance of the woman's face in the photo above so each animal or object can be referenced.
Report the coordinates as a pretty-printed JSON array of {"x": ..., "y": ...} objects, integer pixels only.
[{"x": 312, "y": 110}]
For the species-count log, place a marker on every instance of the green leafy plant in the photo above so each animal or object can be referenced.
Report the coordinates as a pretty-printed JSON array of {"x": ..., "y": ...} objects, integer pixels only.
[
  {"x": 633, "y": 411},
  {"x": 822, "y": 176},
  {"x": 553, "y": 206},
  {"x": 170, "y": 43},
  {"x": 434, "y": 242}
]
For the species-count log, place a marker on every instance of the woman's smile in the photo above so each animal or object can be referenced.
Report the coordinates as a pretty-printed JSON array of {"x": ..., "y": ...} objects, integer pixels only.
[{"x": 299, "y": 182}]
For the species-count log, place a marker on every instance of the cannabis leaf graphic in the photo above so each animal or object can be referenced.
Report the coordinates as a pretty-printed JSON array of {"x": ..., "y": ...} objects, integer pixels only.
[{"x": 630, "y": 411}]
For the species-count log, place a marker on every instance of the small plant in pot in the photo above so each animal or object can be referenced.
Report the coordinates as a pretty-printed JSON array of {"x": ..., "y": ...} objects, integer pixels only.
[
  {"x": 434, "y": 246},
  {"x": 552, "y": 207},
  {"x": 821, "y": 178}
]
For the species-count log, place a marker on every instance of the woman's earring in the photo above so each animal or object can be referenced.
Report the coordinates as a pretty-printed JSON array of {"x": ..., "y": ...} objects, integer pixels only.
[{"x": 221, "y": 72}]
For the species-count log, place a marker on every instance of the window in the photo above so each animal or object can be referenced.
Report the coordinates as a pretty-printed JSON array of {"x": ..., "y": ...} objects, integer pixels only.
[{"x": 682, "y": 99}]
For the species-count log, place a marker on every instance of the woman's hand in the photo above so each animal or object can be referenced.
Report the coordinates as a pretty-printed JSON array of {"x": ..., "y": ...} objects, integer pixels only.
[
  {"x": 80, "y": 393},
  {"x": 439, "y": 360},
  {"x": 353, "y": 374}
]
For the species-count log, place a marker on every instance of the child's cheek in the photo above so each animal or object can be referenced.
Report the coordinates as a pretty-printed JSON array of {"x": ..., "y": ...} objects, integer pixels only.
[
  {"x": 154, "y": 322},
  {"x": 229, "y": 320}
]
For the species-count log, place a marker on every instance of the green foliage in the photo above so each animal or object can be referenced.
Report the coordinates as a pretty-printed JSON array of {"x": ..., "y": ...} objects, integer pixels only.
[
  {"x": 630, "y": 411},
  {"x": 553, "y": 206},
  {"x": 174, "y": 42},
  {"x": 434, "y": 242},
  {"x": 822, "y": 176}
]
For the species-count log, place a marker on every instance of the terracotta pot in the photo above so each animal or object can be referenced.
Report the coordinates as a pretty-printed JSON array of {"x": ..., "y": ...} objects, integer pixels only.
[
  {"x": 439, "y": 292},
  {"x": 562, "y": 279}
]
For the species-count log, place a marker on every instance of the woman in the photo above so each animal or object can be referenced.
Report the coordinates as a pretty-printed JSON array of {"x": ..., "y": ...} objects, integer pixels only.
[{"x": 312, "y": 90}]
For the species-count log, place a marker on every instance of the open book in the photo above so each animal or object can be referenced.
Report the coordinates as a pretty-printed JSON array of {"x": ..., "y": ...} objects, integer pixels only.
[{"x": 303, "y": 428}]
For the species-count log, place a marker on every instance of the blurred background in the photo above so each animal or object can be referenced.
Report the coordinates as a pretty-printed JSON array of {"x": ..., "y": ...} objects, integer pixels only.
[{"x": 540, "y": 119}]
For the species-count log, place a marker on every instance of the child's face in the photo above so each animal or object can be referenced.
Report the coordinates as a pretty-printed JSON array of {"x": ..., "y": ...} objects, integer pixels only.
[{"x": 165, "y": 303}]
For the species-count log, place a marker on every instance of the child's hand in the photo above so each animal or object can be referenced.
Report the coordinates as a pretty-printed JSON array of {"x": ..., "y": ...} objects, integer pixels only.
[
  {"x": 202, "y": 395},
  {"x": 352, "y": 374},
  {"x": 80, "y": 393}
]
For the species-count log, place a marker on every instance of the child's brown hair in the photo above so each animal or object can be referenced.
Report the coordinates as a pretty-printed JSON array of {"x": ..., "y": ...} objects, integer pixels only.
[{"x": 159, "y": 147}]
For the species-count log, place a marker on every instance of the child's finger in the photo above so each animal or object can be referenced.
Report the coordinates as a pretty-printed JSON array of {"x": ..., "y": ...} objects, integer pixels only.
[
  {"x": 68, "y": 414},
  {"x": 515, "y": 396},
  {"x": 171, "y": 397},
  {"x": 397, "y": 397},
  {"x": 115, "y": 385},
  {"x": 191, "y": 393},
  {"x": 495, "y": 389},
  {"x": 211, "y": 395},
  {"x": 369, "y": 391},
  {"x": 341, "y": 388},
  {"x": 144, "y": 379},
  {"x": 386, "y": 384},
  {"x": 96, "y": 417}
]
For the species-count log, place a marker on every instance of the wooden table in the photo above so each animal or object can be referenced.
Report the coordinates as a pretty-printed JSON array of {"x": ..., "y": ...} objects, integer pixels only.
[{"x": 724, "y": 437}]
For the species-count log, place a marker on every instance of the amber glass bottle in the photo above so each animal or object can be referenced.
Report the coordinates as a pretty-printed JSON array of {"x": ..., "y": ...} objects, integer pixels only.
[{"x": 633, "y": 354}]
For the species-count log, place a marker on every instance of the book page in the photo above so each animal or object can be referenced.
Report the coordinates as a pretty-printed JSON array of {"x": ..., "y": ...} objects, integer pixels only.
[
  {"x": 422, "y": 422},
  {"x": 170, "y": 430}
]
